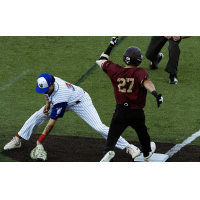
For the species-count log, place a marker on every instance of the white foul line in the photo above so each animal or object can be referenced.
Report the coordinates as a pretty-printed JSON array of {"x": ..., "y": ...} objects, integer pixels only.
[
  {"x": 178, "y": 147},
  {"x": 13, "y": 80}
]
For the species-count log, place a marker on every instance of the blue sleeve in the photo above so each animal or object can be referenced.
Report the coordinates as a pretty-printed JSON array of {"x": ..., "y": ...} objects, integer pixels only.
[{"x": 58, "y": 110}]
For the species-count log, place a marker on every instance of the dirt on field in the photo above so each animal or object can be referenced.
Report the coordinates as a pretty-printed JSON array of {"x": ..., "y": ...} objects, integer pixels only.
[{"x": 79, "y": 149}]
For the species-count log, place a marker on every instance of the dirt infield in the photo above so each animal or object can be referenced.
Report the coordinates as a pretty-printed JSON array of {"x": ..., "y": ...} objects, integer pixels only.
[{"x": 78, "y": 149}]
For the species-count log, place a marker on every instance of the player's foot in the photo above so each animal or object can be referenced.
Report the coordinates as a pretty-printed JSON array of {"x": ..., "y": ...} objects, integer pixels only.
[
  {"x": 173, "y": 79},
  {"x": 154, "y": 65},
  {"x": 13, "y": 144},
  {"x": 153, "y": 148},
  {"x": 133, "y": 151},
  {"x": 108, "y": 156}
]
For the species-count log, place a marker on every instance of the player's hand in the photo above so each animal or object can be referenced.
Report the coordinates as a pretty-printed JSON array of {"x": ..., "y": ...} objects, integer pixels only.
[
  {"x": 159, "y": 99},
  {"x": 176, "y": 38},
  {"x": 113, "y": 41},
  {"x": 168, "y": 37},
  {"x": 46, "y": 110}
]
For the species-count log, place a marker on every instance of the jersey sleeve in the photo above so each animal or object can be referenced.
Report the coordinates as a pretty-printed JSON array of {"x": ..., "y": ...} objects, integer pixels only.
[
  {"x": 58, "y": 110},
  {"x": 142, "y": 74},
  {"x": 110, "y": 68}
]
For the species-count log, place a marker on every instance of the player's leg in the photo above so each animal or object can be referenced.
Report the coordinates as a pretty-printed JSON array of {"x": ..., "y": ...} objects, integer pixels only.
[
  {"x": 153, "y": 51},
  {"x": 86, "y": 110},
  {"x": 172, "y": 65},
  {"x": 138, "y": 123},
  {"x": 117, "y": 127},
  {"x": 35, "y": 120},
  {"x": 119, "y": 123}
]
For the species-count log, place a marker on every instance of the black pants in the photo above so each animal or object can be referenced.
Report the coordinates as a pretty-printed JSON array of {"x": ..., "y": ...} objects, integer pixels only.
[
  {"x": 156, "y": 44},
  {"x": 121, "y": 120}
]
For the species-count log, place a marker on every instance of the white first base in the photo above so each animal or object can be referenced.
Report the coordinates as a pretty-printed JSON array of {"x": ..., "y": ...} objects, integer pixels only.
[{"x": 156, "y": 157}]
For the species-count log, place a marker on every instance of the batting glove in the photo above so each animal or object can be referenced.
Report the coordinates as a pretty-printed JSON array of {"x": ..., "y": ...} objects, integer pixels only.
[
  {"x": 113, "y": 41},
  {"x": 159, "y": 98}
]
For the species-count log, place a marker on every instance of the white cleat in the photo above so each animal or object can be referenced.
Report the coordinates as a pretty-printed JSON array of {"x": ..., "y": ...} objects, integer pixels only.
[
  {"x": 133, "y": 151},
  {"x": 13, "y": 144},
  {"x": 108, "y": 156},
  {"x": 153, "y": 148}
]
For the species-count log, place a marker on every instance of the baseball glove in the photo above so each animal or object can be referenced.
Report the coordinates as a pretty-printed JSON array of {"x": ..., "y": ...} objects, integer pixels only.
[{"x": 38, "y": 153}]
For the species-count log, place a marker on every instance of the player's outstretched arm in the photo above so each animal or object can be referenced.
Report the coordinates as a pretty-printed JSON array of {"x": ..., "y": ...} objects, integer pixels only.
[
  {"x": 47, "y": 130},
  {"x": 105, "y": 56},
  {"x": 151, "y": 88},
  {"x": 112, "y": 43}
]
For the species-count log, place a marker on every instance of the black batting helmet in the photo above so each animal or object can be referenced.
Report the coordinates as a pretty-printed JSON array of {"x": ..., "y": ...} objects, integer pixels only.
[{"x": 132, "y": 56}]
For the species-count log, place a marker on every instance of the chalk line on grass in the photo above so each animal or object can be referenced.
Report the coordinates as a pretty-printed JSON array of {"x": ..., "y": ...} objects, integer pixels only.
[
  {"x": 95, "y": 66},
  {"x": 178, "y": 147},
  {"x": 13, "y": 80}
]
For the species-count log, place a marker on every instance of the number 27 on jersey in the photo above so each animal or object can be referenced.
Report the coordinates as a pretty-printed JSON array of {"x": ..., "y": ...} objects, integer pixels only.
[{"x": 123, "y": 82}]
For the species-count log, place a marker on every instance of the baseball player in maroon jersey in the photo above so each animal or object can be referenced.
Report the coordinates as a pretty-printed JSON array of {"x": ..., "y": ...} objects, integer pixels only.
[{"x": 130, "y": 85}]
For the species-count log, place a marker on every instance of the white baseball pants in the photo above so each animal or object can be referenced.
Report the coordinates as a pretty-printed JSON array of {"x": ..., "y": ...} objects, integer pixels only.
[{"x": 85, "y": 109}]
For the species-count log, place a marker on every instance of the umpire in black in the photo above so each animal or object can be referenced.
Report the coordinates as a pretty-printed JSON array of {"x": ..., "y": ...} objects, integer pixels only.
[{"x": 154, "y": 55}]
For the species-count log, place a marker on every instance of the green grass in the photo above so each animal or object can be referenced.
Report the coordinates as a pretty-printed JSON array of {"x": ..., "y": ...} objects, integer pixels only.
[{"x": 70, "y": 58}]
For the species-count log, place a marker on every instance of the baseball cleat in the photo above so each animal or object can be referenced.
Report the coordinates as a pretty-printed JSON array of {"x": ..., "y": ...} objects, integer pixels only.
[
  {"x": 153, "y": 148},
  {"x": 108, "y": 156},
  {"x": 158, "y": 59},
  {"x": 13, "y": 144},
  {"x": 173, "y": 79},
  {"x": 133, "y": 151}
]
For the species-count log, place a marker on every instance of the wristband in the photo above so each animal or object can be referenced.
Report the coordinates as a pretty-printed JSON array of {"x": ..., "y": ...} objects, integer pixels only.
[
  {"x": 41, "y": 138},
  {"x": 103, "y": 58},
  {"x": 154, "y": 93}
]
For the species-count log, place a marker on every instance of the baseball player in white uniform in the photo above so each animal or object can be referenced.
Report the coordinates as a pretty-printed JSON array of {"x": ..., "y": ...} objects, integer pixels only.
[{"x": 62, "y": 96}]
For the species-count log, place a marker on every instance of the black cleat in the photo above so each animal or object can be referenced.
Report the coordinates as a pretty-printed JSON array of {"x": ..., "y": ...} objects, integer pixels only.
[
  {"x": 154, "y": 66},
  {"x": 173, "y": 79}
]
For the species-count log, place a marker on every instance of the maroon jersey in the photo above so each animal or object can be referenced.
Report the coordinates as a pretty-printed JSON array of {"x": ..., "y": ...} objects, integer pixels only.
[{"x": 128, "y": 84}]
